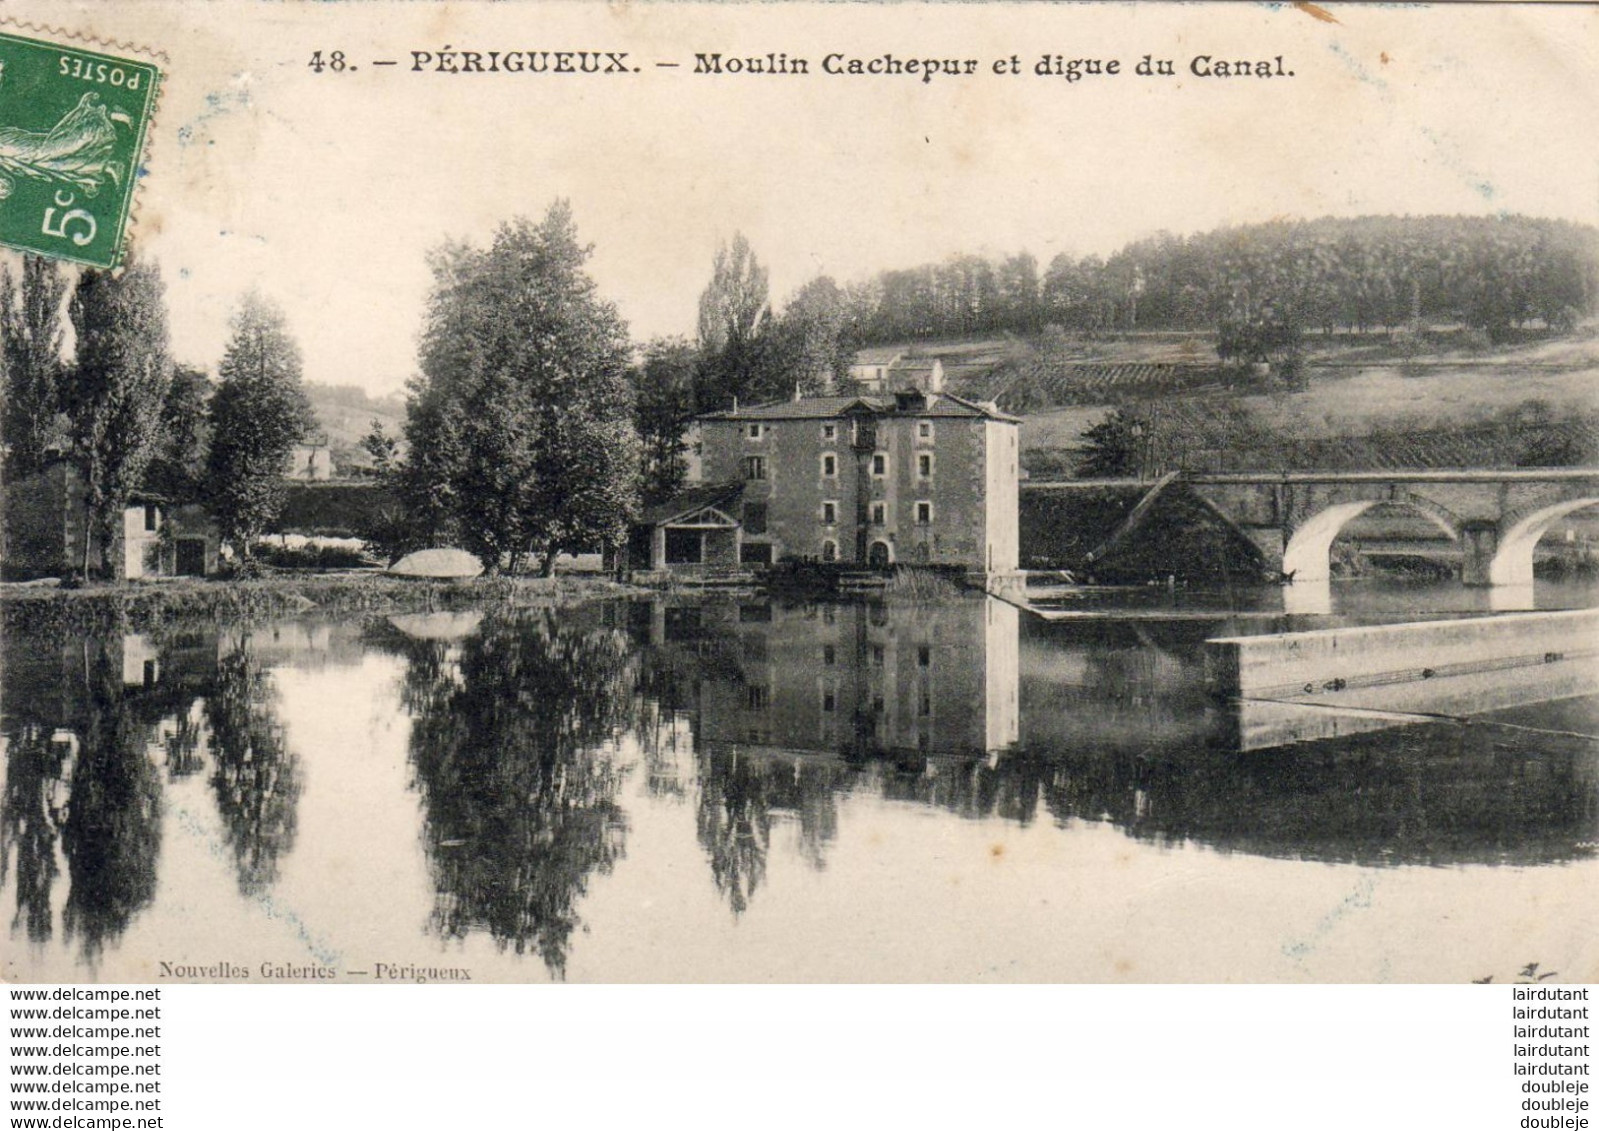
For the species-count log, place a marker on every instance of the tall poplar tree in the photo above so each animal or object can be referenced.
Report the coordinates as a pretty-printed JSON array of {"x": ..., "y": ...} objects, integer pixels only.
[
  {"x": 734, "y": 305},
  {"x": 258, "y": 413},
  {"x": 743, "y": 354},
  {"x": 115, "y": 392},
  {"x": 30, "y": 360}
]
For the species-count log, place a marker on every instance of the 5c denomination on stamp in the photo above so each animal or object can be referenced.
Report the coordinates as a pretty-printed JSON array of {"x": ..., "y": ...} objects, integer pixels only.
[{"x": 72, "y": 128}]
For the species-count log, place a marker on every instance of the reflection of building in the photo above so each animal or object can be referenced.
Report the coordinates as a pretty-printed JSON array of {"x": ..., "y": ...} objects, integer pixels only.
[
  {"x": 916, "y": 478},
  {"x": 861, "y": 680},
  {"x": 58, "y": 680},
  {"x": 46, "y": 522}
]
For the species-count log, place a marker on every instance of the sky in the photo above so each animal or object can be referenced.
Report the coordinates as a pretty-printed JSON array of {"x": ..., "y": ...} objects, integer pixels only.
[{"x": 325, "y": 191}]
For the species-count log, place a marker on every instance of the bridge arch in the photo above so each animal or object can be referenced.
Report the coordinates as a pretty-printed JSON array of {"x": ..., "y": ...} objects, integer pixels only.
[
  {"x": 1512, "y": 560},
  {"x": 1308, "y": 554}
]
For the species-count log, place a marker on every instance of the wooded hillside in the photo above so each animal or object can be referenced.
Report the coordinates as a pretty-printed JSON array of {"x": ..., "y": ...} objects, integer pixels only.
[{"x": 1370, "y": 272}]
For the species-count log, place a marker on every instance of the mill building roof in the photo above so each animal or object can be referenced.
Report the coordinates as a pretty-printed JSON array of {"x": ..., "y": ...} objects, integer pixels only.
[{"x": 935, "y": 405}]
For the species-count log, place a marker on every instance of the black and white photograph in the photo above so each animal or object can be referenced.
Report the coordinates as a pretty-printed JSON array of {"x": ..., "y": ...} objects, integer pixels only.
[{"x": 799, "y": 493}]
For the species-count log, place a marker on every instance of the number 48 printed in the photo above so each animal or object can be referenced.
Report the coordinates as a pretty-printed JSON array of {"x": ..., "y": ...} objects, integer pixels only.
[{"x": 334, "y": 62}]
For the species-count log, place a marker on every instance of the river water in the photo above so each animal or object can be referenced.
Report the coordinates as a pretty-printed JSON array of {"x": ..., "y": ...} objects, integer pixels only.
[{"x": 753, "y": 790}]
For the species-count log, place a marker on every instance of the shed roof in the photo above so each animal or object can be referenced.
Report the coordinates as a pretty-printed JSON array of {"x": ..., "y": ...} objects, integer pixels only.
[{"x": 689, "y": 500}]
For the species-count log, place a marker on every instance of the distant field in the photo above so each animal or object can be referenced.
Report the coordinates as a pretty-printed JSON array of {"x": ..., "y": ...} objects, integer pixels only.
[
  {"x": 1353, "y": 401},
  {"x": 1454, "y": 392}
]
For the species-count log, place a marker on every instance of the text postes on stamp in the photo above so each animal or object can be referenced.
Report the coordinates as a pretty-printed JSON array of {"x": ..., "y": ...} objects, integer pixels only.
[{"x": 72, "y": 128}]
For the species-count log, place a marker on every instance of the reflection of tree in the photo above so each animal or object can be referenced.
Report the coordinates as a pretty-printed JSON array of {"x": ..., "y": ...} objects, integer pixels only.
[
  {"x": 818, "y": 788},
  {"x": 183, "y": 747},
  {"x": 739, "y": 794},
  {"x": 519, "y": 790},
  {"x": 971, "y": 788},
  {"x": 255, "y": 777},
  {"x": 112, "y": 834},
  {"x": 30, "y": 820},
  {"x": 79, "y": 771},
  {"x": 665, "y": 742},
  {"x": 735, "y": 825}
]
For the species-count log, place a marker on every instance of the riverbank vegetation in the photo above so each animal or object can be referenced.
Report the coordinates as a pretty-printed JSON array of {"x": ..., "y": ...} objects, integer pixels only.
[{"x": 144, "y": 606}]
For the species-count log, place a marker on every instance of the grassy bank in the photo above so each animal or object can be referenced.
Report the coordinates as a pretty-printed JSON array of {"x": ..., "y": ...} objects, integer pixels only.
[{"x": 139, "y": 607}]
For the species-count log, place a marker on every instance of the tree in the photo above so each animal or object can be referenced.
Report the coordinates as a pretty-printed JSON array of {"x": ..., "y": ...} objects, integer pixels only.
[
  {"x": 177, "y": 470},
  {"x": 30, "y": 361},
  {"x": 663, "y": 384},
  {"x": 1268, "y": 335},
  {"x": 814, "y": 325},
  {"x": 424, "y": 480},
  {"x": 520, "y": 430},
  {"x": 1018, "y": 292},
  {"x": 391, "y": 529},
  {"x": 741, "y": 354},
  {"x": 258, "y": 413},
  {"x": 734, "y": 305},
  {"x": 383, "y": 448},
  {"x": 1116, "y": 447},
  {"x": 116, "y": 391}
]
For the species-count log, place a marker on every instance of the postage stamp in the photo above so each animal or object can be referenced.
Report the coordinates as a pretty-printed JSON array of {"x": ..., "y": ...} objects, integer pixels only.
[{"x": 72, "y": 128}]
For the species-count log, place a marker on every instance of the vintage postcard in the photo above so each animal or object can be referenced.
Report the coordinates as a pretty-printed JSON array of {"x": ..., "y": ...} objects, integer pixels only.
[{"x": 733, "y": 492}]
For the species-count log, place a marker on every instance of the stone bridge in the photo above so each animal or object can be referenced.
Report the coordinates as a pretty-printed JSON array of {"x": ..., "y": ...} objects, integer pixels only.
[{"x": 1496, "y": 517}]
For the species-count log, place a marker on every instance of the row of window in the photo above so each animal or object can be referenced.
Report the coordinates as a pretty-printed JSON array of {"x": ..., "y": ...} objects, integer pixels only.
[
  {"x": 879, "y": 514},
  {"x": 757, "y": 698},
  {"x": 924, "y": 431},
  {"x": 924, "y": 655},
  {"x": 755, "y": 466},
  {"x": 924, "y": 708}
]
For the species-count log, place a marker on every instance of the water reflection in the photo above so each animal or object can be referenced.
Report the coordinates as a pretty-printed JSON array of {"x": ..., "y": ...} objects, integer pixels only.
[
  {"x": 784, "y": 703},
  {"x": 81, "y": 788},
  {"x": 511, "y": 743},
  {"x": 31, "y": 820},
  {"x": 255, "y": 778},
  {"x": 863, "y": 680},
  {"x": 734, "y": 739},
  {"x": 112, "y": 832}
]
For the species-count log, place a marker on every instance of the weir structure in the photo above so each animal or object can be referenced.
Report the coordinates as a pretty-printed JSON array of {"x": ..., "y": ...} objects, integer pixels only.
[
  {"x": 1496, "y": 516},
  {"x": 1297, "y": 686}
]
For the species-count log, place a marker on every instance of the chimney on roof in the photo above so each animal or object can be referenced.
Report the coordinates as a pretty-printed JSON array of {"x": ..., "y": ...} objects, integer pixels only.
[
  {"x": 796, "y": 392},
  {"x": 735, "y": 402}
]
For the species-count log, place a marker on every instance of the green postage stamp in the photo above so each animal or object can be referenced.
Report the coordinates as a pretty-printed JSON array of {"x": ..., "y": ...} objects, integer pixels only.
[{"x": 72, "y": 128}]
